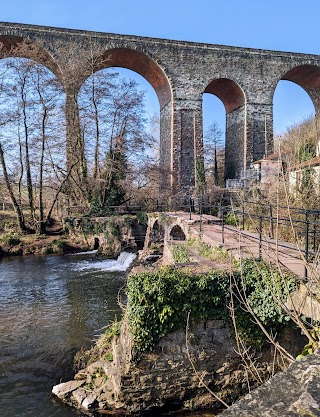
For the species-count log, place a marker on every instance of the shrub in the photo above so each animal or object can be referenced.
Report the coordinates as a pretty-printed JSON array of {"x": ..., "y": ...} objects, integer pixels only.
[
  {"x": 58, "y": 246},
  {"x": 159, "y": 302},
  {"x": 231, "y": 219},
  {"x": 10, "y": 240},
  {"x": 142, "y": 217},
  {"x": 214, "y": 253}
]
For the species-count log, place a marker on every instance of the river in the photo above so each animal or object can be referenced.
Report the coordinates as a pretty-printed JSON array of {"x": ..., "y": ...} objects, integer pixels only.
[{"x": 50, "y": 306}]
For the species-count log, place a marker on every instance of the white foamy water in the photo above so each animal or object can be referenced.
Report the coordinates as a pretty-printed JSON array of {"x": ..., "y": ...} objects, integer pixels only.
[
  {"x": 121, "y": 264},
  {"x": 89, "y": 252}
]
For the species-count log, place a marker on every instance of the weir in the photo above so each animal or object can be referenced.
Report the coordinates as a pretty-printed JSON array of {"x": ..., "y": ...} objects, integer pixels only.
[{"x": 121, "y": 264}]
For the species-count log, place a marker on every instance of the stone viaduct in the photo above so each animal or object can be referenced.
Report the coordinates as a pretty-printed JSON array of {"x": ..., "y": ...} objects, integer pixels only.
[{"x": 180, "y": 72}]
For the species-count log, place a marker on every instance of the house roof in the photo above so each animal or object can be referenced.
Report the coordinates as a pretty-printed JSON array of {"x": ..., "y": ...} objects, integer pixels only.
[{"x": 272, "y": 157}]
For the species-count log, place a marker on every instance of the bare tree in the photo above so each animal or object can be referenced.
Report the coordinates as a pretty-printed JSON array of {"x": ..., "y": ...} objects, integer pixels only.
[
  {"x": 212, "y": 143},
  {"x": 115, "y": 135},
  {"x": 31, "y": 100}
]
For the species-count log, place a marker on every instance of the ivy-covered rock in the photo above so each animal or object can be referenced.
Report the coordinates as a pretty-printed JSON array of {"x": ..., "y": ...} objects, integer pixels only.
[{"x": 160, "y": 301}]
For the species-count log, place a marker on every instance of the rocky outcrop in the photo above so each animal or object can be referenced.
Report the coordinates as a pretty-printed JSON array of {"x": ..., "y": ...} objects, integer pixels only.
[
  {"x": 165, "y": 377},
  {"x": 293, "y": 393},
  {"x": 305, "y": 300},
  {"x": 110, "y": 234}
]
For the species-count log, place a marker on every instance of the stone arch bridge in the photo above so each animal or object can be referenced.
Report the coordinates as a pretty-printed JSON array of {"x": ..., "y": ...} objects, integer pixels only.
[
  {"x": 165, "y": 227},
  {"x": 180, "y": 72}
]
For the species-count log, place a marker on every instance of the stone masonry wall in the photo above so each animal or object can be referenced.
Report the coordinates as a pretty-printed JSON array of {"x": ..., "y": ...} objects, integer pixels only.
[
  {"x": 293, "y": 393},
  {"x": 164, "y": 377},
  {"x": 166, "y": 147},
  {"x": 234, "y": 153}
]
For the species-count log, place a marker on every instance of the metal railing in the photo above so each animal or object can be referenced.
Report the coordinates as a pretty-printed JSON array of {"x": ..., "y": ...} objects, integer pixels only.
[
  {"x": 300, "y": 227},
  {"x": 297, "y": 229}
]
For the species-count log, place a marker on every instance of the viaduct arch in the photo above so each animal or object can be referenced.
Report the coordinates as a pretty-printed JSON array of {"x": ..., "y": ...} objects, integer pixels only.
[{"x": 180, "y": 72}]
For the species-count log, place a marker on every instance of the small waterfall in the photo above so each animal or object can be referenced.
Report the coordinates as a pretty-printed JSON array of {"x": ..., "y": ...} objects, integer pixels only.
[
  {"x": 121, "y": 264},
  {"x": 125, "y": 259}
]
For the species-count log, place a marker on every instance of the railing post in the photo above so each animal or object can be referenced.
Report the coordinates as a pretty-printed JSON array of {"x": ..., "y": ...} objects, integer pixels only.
[
  {"x": 222, "y": 224},
  {"x": 200, "y": 211},
  {"x": 306, "y": 244},
  {"x": 314, "y": 231},
  {"x": 260, "y": 237},
  {"x": 271, "y": 221},
  {"x": 242, "y": 217}
]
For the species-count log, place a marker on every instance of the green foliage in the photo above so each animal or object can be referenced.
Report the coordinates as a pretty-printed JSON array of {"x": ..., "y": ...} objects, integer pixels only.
[
  {"x": 266, "y": 289},
  {"x": 58, "y": 246},
  {"x": 264, "y": 283},
  {"x": 192, "y": 242},
  {"x": 10, "y": 240},
  {"x": 180, "y": 254},
  {"x": 214, "y": 253},
  {"x": 312, "y": 345},
  {"x": 115, "y": 172},
  {"x": 231, "y": 219},
  {"x": 200, "y": 174},
  {"x": 108, "y": 357},
  {"x": 10, "y": 225},
  {"x": 159, "y": 302},
  {"x": 306, "y": 152},
  {"x": 156, "y": 246},
  {"x": 94, "y": 202},
  {"x": 114, "y": 230},
  {"x": 112, "y": 330},
  {"x": 142, "y": 217}
]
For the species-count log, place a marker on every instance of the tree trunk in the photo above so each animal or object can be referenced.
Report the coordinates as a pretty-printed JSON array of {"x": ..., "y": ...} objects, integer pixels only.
[
  {"x": 27, "y": 159},
  {"x": 216, "y": 179},
  {"x": 16, "y": 206}
]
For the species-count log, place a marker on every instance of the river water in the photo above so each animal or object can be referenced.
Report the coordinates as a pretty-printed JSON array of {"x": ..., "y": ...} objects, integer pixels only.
[{"x": 50, "y": 306}]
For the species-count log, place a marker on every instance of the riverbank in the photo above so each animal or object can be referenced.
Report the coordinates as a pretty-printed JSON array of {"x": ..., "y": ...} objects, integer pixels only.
[
  {"x": 18, "y": 244},
  {"x": 110, "y": 235}
]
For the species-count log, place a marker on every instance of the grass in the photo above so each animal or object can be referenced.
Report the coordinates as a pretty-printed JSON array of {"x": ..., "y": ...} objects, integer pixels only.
[
  {"x": 180, "y": 254},
  {"x": 214, "y": 253},
  {"x": 105, "y": 340},
  {"x": 10, "y": 239}
]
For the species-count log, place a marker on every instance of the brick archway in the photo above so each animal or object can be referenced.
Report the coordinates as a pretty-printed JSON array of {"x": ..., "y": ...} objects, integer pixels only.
[
  {"x": 176, "y": 233},
  {"x": 15, "y": 46}
]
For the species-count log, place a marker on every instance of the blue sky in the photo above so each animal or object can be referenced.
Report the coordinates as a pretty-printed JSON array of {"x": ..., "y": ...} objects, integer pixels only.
[{"x": 279, "y": 25}]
